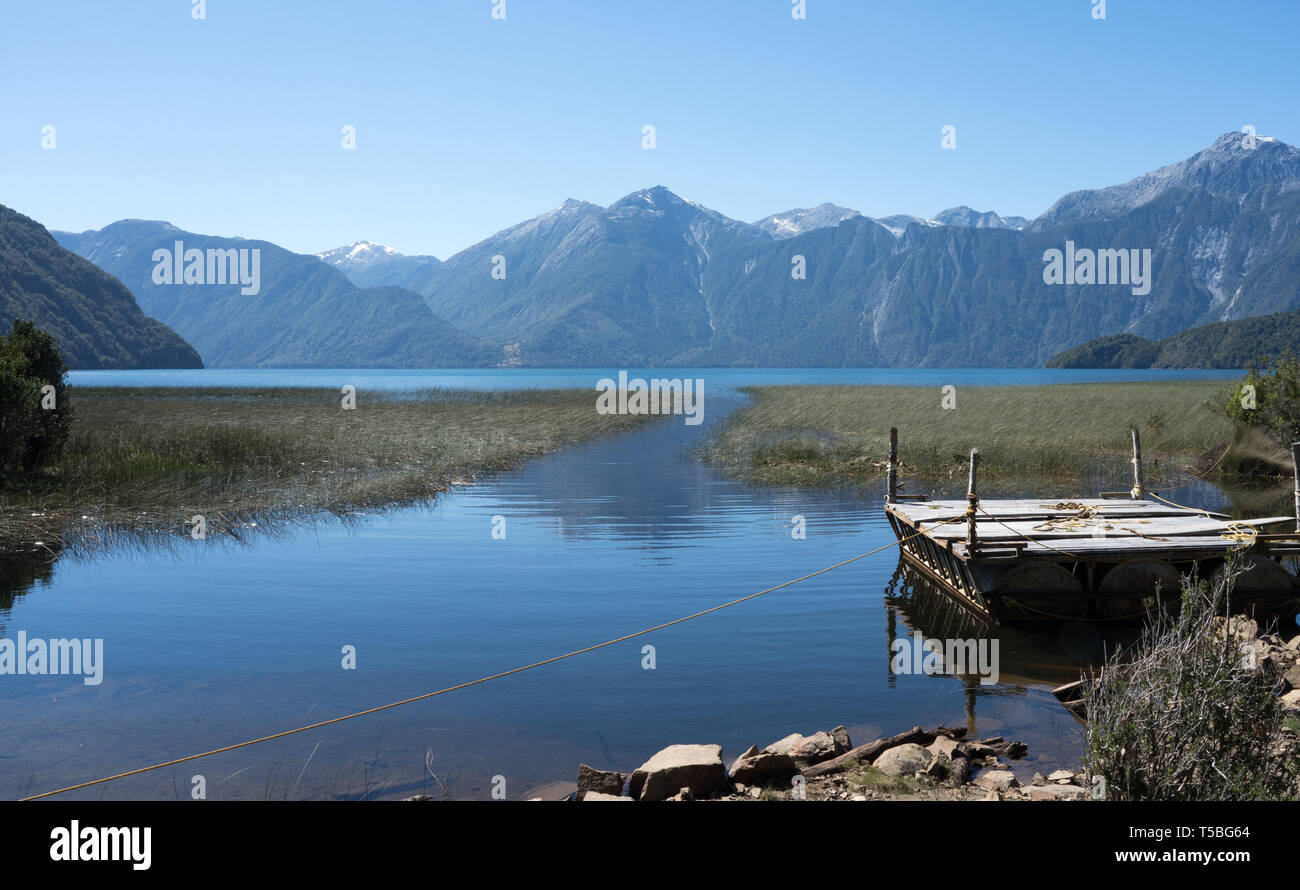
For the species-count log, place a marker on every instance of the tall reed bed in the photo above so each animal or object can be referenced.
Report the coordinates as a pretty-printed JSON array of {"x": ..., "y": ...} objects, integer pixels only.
[
  {"x": 147, "y": 460},
  {"x": 1048, "y": 437}
]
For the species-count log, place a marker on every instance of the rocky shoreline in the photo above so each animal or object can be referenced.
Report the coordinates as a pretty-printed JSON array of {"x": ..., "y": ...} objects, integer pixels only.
[
  {"x": 920, "y": 764},
  {"x": 935, "y": 764}
]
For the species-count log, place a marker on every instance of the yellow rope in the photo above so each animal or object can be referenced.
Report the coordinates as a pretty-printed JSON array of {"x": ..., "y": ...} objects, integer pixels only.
[
  {"x": 1205, "y": 513},
  {"x": 427, "y": 695},
  {"x": 1133, "y": 531},
  {"x": 1081, "y": 511},
  {"x": 1026, "y": 537},
  {"x": 1241, "y": 532},
  {"x": 1066, "y": 523}
]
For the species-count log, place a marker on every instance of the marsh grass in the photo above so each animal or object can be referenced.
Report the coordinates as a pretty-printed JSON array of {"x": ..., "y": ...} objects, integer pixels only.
[
  {"x": 876, "y": 780},
  {"x": 1048, "y": 436},
  {"x": 141, "y": 462}
]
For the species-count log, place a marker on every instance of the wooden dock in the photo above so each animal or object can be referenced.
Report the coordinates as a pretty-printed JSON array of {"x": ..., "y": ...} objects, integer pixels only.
[{"x": 1104, "y": 558}]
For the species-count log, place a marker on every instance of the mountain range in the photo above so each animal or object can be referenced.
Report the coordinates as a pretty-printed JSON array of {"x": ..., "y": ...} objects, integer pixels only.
[
  {"x": 655, "y": 279},
  {"x": 305, "y": 314},
  {"x": 93, "y": 318}
]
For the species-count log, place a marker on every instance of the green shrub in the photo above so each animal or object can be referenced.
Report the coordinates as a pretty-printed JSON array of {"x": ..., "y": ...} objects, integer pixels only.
[
  {"x": 1276, "y": 397},
  {"x": 1181, "y": 715},
  {"x": 34, "y": 424}
]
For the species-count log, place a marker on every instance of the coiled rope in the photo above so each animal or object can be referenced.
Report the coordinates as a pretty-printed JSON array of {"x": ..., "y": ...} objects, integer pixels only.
[
  {"x": 1026, "y": 537},
  {"x": 1242, "y": 533}
]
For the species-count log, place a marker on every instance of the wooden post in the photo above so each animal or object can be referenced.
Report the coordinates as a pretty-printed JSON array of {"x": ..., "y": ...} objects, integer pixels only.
[
  {"x": 971, "y": 499},
  {"x": 892, "y": 472},
  {"x": 1139, "y": 490},
  {"x": 1295, "y": 466}
]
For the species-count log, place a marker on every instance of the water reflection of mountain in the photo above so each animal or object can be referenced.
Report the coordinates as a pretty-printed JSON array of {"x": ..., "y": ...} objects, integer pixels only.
[
  {"x": 643, "y": 485},
  {"x": 647, "y": 487}
]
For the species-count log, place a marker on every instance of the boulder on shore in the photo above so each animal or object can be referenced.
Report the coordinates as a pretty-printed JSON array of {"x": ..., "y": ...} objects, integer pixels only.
[
  {"x": 958, "y": 772},
  {"x": 903, "y": 760},
  {"x": 998, "y": 779},
  {"x": 814, "y": 748},
  {"x": 866, "y": 754},
  {"x": 603, "y": 781},
  {"x": 944, "y": 748},
  {"x": 1057, "y": 792},
  {"x": 755, "y": 767},
  {"x": 697, "y": 767},
  {"x": 1292, "y": 676}
]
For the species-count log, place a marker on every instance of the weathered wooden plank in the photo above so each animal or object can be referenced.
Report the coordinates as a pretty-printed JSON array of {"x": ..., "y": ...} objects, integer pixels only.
[
  {"x": 1036, "y": 505},
  {"x": 1182, "y": 547},
  {"x": 1039, "y": 508},
  {"x": 1116, "y": 527}
]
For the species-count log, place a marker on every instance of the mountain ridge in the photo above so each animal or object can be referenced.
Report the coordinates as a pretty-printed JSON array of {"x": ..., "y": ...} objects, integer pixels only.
[
  {"x": 95, "y": 320},
  {"x": 306, "y": 314},
  {"x": 1224, "y": 344},
  {"x": 655, "y": 278}
]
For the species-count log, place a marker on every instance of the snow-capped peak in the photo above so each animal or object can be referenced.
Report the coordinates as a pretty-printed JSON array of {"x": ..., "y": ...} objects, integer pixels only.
[{"x": 357, "y": 252}]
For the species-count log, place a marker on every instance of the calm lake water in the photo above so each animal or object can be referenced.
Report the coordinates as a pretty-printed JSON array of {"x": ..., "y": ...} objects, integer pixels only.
[{"x": 211, "y": 644}]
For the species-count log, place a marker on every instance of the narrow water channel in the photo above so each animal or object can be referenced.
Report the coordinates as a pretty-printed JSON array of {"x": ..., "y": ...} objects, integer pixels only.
[{"x": 212, "y": 644}]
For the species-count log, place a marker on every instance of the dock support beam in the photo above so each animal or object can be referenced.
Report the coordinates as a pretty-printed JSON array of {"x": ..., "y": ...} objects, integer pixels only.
[
  {"x": 891, "y": 496},
  {"x": 1295, "y": 466},
  {"x": 972, "y": 501},
  {"x": 1139, "y": 490}
]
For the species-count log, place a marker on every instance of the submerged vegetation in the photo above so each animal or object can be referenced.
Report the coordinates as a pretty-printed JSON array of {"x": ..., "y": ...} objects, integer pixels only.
[
  {"x": 150, "y": 460},
  {"x": 1050, "y": 436}
]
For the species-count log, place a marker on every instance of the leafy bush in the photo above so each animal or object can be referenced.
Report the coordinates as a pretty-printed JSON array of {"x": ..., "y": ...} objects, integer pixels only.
[
  {"x": 1184, "y": 715},
  {"x": 33, "y": 428},
  {"x": 1276, "y": 397}
]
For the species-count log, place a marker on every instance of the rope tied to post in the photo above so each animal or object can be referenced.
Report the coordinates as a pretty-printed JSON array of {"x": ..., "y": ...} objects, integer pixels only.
[
  {"x": 1139, "y": 490},
  {"x": 972, "y": 499}
]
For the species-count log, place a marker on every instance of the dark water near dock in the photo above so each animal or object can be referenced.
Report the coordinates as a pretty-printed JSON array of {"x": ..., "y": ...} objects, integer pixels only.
[{"x": 216, "y": 643}]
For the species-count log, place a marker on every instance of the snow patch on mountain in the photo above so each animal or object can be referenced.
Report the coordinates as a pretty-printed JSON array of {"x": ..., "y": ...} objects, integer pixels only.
[{"x": 800, "y": 220}]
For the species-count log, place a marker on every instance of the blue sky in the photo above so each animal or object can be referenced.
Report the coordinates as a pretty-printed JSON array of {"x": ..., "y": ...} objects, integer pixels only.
[{"x": 465, "y": 125}]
